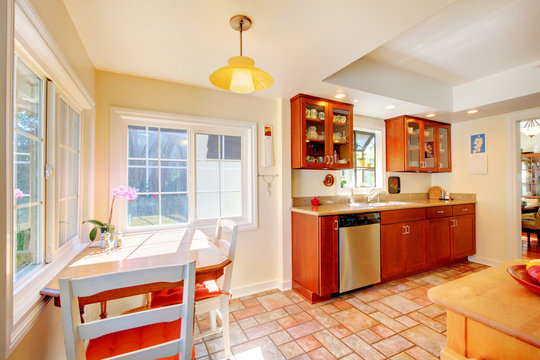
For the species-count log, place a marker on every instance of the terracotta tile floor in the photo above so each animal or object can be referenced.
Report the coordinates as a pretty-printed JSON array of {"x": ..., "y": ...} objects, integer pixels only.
[{"x": 394, "y": 320}]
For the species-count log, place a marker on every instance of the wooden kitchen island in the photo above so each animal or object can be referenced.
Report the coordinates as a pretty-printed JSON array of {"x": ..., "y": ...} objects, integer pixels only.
[{"x": 490, "y": 316}]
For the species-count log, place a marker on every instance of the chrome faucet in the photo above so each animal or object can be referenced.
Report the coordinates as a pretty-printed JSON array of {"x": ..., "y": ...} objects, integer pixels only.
[
  {"x": 375, "y": 192},
  {"x": 351, "y": 197}
]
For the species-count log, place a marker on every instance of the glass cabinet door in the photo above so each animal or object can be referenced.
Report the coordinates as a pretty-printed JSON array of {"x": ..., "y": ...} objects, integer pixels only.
[
  {"x": 444, "y": 148},
  {"x": 342, "y": 142},
  {"x": 535, "y": 175},
  {"x": 314, "y": 115},
  {"x": 413, "y": 145},
  {"x": 526, "y": 178},
  {"x": 428, "y": 163}
]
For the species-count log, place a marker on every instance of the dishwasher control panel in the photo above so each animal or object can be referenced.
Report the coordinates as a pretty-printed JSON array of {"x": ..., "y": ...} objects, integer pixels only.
[{"x": 349, "y": 220}]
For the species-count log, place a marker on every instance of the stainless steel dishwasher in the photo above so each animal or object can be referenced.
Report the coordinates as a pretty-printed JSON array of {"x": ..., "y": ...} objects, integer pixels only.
[{"x": 359, "y": 250}]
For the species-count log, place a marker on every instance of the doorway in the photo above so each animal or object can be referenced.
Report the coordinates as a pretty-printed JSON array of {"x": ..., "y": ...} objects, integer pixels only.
[{"x": 529, "y": 136}]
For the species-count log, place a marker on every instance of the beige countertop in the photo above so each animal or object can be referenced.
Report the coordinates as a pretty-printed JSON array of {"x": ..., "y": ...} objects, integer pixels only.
[
  {"x": 346, "y": 208},
  {"x": 493, "y": 298}
]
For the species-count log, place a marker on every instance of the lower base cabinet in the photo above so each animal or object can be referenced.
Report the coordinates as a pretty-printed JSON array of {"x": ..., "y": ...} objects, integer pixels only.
[
  {"x": 315, "y": 256},
  {"x": 403, "y": 249}
]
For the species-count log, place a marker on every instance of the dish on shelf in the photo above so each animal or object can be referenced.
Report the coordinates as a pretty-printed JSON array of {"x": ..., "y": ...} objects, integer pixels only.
[
  {"x": 342, "y": 161},
  {"x": 519, "y": 273}
]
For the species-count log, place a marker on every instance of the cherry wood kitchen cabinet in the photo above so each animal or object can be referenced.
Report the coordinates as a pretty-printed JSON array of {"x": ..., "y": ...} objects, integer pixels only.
[
  {"x": 403, "y": 243},
  {"x": 315, "y": 256},
  {"x": 417, "y": 145},
  {"x": 321, "y": 133},
  {"x": 451, "y": 233}
]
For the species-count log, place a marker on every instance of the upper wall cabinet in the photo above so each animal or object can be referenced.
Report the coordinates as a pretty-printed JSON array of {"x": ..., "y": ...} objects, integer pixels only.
[
  {"x": 419, "y": 145},
  {"x": 321, "y": 133}
]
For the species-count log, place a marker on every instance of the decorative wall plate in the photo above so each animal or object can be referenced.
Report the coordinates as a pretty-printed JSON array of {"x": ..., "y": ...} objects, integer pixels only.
[{"x": 328, "y": 180}]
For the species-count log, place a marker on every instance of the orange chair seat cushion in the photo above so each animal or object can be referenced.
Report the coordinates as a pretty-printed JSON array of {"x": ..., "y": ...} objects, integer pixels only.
[
  {"x": 125, "y": 341},
  {"x": 205, "y": 290},
  {"x": 528, "y": 223}
]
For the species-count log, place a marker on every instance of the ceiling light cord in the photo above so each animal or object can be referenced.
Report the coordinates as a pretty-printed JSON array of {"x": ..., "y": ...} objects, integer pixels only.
[{"x": 241, "y": 27}]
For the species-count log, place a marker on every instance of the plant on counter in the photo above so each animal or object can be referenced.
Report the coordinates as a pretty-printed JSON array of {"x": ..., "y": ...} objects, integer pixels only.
[{"x": 129, "y": 192}]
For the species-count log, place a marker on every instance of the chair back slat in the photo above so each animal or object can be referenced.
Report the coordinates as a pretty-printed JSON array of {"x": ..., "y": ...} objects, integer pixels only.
[
  {"x": 97, "y": 328},
  {"x": 87, "y": 286},
  {"x": 75, "y": 333}
]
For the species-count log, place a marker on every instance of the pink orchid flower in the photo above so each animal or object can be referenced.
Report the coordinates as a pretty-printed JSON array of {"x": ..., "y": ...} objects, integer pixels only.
[{"x": 18, "y": 194}]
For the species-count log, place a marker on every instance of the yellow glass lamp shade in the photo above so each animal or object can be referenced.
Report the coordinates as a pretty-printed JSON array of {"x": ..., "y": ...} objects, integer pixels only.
[{"x": 241, "y": 76}]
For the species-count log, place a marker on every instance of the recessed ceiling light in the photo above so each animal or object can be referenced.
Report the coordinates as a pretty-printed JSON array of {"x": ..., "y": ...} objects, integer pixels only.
[
  {"x": 355, "y": 100},
  {"x": 431, "y": 115},
  {"x": 472, "y": 111},
  {"x": 340, "y": 96},
  {"x": 390, "y": 107}
]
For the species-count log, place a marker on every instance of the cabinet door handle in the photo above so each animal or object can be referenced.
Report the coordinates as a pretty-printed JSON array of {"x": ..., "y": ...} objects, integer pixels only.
[
  {"x": 408, "y": 229},
  {"x": 331, "y": 160},
  {"x": 326, "y": 160},
  {"x": 336, "y": 223},
  {"x": 440, "y": 211},
  {"x": 456, "y": 223},
  {"x": 404, "y": 230}
]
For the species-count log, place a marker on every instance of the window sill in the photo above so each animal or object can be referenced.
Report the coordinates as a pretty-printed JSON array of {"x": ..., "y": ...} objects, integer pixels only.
[{"x": 27, "y": 301}]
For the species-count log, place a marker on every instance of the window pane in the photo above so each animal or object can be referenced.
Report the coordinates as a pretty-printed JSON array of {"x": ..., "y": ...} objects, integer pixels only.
[
  {"x": 208, "y": 205},
  {"x": 28, "y": 169},
  {"x": 231, "y": 176},
  {"x": 173, "y": 179},
  {"x": 207, "y": 176},
  {"x": 28, "y": 100},
  {"x": 173, "y": 144},
  {"x": 219, "y": 176},
  {"x": 231, "y": 204},
  {"x": 232, "y": 147},
  {"x": 28, "y": 238},
  {"x": 207, "y": 146},
  {"x": 364, "y": 162},
  {"x": 144, "y": 211},
  {"x": 143, "y": 178},
  {"x": 67, "y": 171},
  {"x": 142, "y": 142},
  {"x": 28, "y": 165},
  {"x": 174, "y": 208}
]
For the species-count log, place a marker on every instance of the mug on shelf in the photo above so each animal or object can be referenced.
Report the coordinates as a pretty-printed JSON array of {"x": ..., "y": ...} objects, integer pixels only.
[{"x": 313, "y": 113}]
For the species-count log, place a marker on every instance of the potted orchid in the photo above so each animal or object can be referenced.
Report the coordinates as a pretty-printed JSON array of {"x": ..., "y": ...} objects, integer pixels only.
[{"x": 130, "y": 193}]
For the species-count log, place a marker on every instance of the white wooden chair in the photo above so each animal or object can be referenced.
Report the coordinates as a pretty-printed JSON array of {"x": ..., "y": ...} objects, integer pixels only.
[
  {"x": 221, "y": 303},
  {"x": 211, "y": 296},
  {"x": 110, "y": 338}
]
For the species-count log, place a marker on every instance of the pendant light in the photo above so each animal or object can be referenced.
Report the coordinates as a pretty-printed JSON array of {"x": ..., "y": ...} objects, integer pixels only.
[
  {"x": 241, "y": 76},
  {"x": 530, "y": 128}
]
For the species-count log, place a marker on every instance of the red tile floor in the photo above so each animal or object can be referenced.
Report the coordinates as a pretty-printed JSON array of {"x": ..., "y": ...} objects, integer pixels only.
[{"x": 395, "y": 320}]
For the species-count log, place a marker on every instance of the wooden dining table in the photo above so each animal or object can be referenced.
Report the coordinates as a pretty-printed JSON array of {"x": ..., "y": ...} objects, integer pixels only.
[{"x": 140, "y": 251}]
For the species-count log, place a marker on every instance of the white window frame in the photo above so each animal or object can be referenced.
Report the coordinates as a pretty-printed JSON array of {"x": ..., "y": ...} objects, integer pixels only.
[
  {"x": 36, "y": 46},
  {"x": 120, "y": 118}
]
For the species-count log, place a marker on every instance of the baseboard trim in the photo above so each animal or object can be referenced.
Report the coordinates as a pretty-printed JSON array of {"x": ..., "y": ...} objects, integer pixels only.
[
  {"x": 484, "y": 261},
  {"x": 264, "y": 286}
]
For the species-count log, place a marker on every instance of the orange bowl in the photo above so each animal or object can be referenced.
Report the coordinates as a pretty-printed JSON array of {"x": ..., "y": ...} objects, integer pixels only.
[{"x": 519, "y": 273}]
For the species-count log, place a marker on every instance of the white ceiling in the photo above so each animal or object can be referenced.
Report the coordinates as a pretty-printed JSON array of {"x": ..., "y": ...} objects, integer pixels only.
[{"x": 313, "y": 46}]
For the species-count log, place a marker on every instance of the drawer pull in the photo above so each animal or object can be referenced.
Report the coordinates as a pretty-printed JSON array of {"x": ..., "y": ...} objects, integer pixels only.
[
  {"x": 440, "y": 211},
  {"x": 465, "y": 209}
]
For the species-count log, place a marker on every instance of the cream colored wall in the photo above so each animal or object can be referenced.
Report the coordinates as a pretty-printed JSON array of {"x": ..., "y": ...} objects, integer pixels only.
[
  {"x": 45, "y": 340},
  {"x": 56, "y": 18},
  {"x": 257, "y": 252},
  {"x": 490, "y": 189}
]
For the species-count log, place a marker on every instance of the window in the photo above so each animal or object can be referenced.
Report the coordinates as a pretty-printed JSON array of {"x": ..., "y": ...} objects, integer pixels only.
[
  {"x": 33, "y": 130},
  {"x": 157, "y": 167},
  {"x": 29, "y": 125},
  {"x": 189, "y": 171},
  {"x": 219, "y": 176},
  {"x": 363, "y": 173}
]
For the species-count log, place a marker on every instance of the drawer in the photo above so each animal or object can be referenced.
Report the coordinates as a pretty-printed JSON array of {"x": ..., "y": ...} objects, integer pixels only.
[
  {"x": 438, "y": 211},
  {"x": 463, "y": 209},
  {"x": 398, "y": 216}
]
